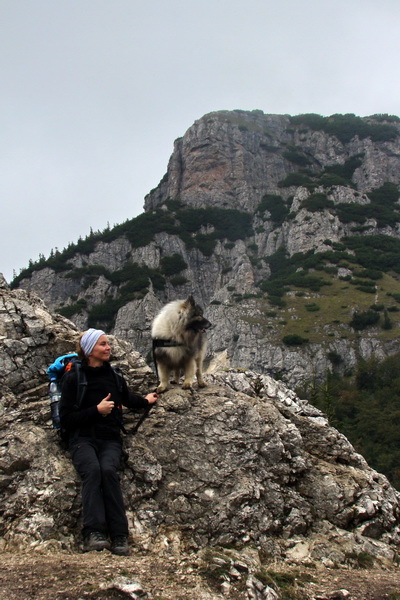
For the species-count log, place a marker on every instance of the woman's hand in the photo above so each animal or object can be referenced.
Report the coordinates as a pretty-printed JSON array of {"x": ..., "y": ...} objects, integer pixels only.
[
  {"x": 105, "y": 406},
  {"x": 151, "y": 398}
]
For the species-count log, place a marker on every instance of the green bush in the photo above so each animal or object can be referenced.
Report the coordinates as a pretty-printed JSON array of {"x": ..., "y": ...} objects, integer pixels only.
[
  {"x": 387, "y": 322},
  {"x": 362, "y": 320},
  {"x": 296, "y": 179},
  {"x": 316, "y": 202},
  {"x": 377, "y": 252},
  {"x": 178, "y": 280},
  {"x": 72, "y": 309},
  {"x": 172, "y": 265},
  {"x": 297, "y": 157},
  {"x": 205, "y": 243},
  {"x": 88, "y": 275},
  {"x": 346, "y": 127},
  {"x": 349, "y": 212},
  {"x": 141, "y": 230},
  {"x": 330, "y": 179},
  {"x": 377, "y": 307},
  {"x": 385, "y": 117},
  {"x": 103, "y": 315},
  {"x": 312, "y": 307},
  {"x": 369, "y": 273},
  {"x": 229, "y": 224},
  {"x": 294, "y": 340},
  {"x": 346, "y": 170},
  {"x": 276, "y": 207},
  {"x": 334, "y": 357},
  {"x": 387, "y": 194}
]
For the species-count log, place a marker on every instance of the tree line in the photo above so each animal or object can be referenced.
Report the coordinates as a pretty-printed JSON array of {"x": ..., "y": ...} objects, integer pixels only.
[{"x": 365, "y": 407}]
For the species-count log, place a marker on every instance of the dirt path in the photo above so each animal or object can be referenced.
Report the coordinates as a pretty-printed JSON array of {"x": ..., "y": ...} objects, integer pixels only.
[{"x": 91, "y": 576}]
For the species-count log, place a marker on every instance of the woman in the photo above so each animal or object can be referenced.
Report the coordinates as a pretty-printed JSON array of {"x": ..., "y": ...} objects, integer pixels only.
[{"x": 95, "y": 441}]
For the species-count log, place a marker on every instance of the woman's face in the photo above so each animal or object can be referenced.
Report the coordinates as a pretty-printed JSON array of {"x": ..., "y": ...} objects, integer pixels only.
[{"x": 101, "y": 351}]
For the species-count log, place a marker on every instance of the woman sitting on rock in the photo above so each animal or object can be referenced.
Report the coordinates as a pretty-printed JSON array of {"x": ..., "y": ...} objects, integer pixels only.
[{"x": 95, "y": 441}]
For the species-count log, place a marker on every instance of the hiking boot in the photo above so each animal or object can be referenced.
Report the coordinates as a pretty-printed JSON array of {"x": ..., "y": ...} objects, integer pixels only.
[
  {"x": 95, "y": 541},
  {"x": 119, "y": 545}
]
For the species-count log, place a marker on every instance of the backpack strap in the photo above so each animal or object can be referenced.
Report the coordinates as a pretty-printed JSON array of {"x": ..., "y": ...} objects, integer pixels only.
[
  {"x": 119, "y": 380},
  {"x": 81, "y": 382}
]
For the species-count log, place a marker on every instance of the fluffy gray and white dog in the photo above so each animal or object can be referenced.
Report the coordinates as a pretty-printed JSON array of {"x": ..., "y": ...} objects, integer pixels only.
[{"x": 179, "y": 342}]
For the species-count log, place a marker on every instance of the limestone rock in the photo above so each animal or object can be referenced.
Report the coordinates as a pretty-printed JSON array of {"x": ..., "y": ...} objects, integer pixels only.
[{"x": 242, "y": 463}]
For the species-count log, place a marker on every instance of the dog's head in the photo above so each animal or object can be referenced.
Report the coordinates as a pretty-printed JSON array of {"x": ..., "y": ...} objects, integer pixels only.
[{"x": 196, "y": 321}]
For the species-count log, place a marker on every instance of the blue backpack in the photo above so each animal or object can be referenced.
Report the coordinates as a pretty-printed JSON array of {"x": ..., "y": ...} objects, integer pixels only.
[
  {"x": 63, "y": 364},
  {"x": 55, "y": 373}
]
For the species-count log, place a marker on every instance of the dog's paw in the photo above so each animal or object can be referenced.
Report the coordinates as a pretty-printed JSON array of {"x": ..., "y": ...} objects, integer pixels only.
[
  {"x": 161, "y": 389},
  {"x": 201, "y": 383},
  {"x": 186, "y": 386}
]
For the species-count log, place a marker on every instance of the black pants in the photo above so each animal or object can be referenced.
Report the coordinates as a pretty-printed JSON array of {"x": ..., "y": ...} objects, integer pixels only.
[{"x": 97, "y": 462}]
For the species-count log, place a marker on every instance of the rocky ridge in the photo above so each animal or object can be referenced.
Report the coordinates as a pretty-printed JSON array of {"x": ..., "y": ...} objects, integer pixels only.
[{"x": 235, "y": 161}]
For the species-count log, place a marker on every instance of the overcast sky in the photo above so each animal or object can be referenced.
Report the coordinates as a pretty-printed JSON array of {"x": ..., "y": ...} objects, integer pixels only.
[{"x": 94, "y": 93}]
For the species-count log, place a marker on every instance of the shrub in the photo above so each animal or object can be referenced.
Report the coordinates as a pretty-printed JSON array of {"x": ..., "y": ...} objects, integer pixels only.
[
  {"x": 276, "y": 301},
  {"x": 205, "y": 243},
  {"x": 294, "y": 340},
  {"x": 312, "y": 307},
  {"x": 346, "y": 171},
  {"x": 296, "y": 179},
  {"x": 141, "y": 230},
  {"x": 103, "y": 314},
  {"x": 330, "y": 179},
  {"x": 172, "y": 265},
  {"x": 364, "y": 319},
  {"x": 317, "y": 202},
  {"x": 387, "y": 194},
  {"x": 346, "y": 127},
  {"x": 378, "y": 252},
  {"x": 387, "y": 322},
  {"x": 297, "y": 157},
  {"x": 276, "y": 207},
  {"x": 377, "y": 307},
  {"x": 178, "y": 280},
  {"x": 334, "y": 357},
  {"x": 73, "y": 309},
  {"x": 369, "y": 273},
  {"x": 88, "y": 274},
  {"x": 228, "y": 223},
  {"x": 349, "y": 212},
  {"x": 385, "y": 117}
]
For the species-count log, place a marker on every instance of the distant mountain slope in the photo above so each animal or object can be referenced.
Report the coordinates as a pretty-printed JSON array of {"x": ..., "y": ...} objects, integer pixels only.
[{"x": 285, "y": 228}]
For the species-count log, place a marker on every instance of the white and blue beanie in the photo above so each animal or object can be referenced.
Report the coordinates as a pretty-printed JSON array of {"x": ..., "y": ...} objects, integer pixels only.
[{"x": 89, "y": 340}]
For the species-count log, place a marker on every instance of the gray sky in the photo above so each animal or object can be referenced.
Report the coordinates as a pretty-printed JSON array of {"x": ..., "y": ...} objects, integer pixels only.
[{"x": 94, "y": 93}]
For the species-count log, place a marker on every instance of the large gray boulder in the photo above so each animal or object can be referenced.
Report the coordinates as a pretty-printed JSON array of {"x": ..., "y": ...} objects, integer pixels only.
[{"x": 241, "y": 463}]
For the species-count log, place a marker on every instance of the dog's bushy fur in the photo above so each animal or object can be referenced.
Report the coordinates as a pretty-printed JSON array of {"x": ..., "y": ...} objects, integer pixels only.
[{"x": 180, "y": 322}]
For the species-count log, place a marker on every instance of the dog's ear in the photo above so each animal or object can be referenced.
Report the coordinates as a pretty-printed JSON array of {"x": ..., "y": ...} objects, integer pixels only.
[{"x": 190, "y": 301}]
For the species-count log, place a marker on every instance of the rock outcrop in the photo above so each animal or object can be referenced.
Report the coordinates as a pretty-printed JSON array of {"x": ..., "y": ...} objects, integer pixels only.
[{"x": 243, "y": 463}]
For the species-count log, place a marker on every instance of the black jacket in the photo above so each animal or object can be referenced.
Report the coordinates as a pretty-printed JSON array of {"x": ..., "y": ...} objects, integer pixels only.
[{"x": 86, "y": 420}]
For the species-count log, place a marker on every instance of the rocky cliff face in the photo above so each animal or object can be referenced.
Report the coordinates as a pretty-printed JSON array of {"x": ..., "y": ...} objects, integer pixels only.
[
  {"x": 302, "y": 187},
  {"x": 242, "y": 463}
]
